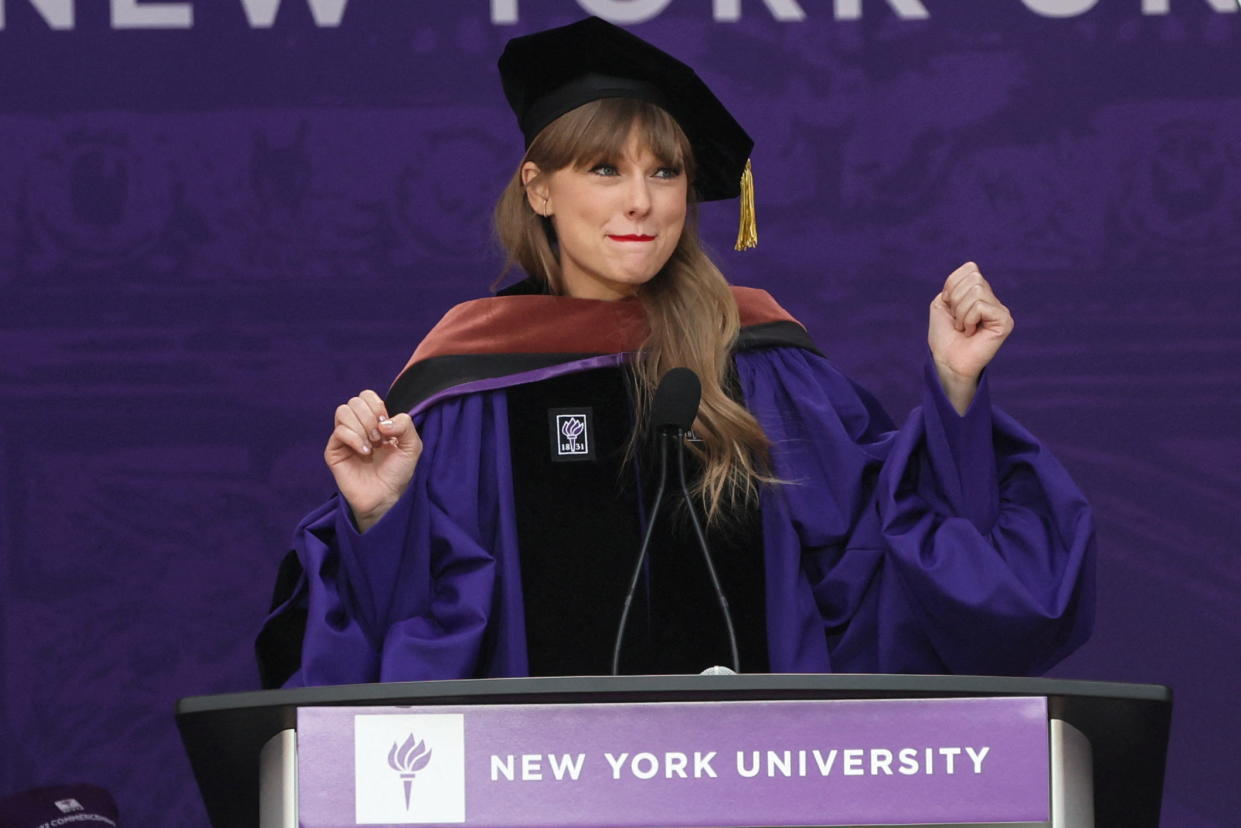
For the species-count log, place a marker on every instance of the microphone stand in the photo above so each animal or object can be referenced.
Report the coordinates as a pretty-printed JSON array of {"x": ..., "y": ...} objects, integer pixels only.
[
  {"x": 706, "y": 556},
  {"x": 646, "y": 543}
]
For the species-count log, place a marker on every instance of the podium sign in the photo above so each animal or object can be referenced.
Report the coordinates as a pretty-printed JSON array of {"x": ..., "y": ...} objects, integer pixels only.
[{"x": 742, "y": 763}]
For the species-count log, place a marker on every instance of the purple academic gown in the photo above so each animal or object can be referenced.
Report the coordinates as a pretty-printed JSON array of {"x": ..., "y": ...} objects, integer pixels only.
[{"x": 953, "y": 544}]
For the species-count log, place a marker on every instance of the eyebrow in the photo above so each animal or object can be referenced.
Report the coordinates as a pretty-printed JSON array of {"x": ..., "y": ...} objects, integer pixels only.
[{"x": 606, "y": 158}]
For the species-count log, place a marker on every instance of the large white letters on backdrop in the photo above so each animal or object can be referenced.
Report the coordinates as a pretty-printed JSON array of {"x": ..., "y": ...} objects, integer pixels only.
[
  {"x": 624, "y": 11},
  {"x": 55, "y": 13},
  {"x": 1072, "y": 8},
  {"x": 130, "y": 14},
  {"x": 262, "y": 14},
  {"x": 729, "y": 10},
  {"x": 143, "y": 14},
  {"x": 726, "y": 11},
  {"x": 1060, "y": 8},
  {"x": 908, "y": 9},
  {"x": 1161, "y": 6}
]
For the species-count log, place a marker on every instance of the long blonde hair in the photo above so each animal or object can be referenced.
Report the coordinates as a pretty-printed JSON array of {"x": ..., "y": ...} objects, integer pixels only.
[{"x": 690, "y": 310}]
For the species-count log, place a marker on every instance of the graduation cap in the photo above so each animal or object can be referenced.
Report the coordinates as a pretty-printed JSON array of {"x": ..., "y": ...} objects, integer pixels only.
[{"x": 549, "y": 73}]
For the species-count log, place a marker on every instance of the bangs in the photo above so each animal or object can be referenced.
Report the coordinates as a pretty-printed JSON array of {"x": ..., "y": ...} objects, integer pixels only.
[{"x": 598, "y": 132}]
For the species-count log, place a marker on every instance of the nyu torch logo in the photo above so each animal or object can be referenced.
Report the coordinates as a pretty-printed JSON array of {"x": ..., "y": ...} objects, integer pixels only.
[
  {"x": 432, "y": 782},
  {"x": 571, "y": 433},
  {"x": 572, "y": 429},
  {"x": 407, "y": 759}
]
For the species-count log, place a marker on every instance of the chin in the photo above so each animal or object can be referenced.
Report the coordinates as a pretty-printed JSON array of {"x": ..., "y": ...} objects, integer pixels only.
[
  {"x": 635, "y": 282},
  {"x": 641, "y": 275}
]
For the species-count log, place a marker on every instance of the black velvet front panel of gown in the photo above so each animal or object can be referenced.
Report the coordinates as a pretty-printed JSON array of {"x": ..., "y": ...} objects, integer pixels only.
[{"x": 580, "y": 526}]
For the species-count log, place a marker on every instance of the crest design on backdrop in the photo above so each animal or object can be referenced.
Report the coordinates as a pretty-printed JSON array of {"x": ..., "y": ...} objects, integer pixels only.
[
  {"x": 101, "y": 198},
  {"x": 1176, "y": 193},
  {"x": 432, "y": 209},
  {"x": 407, "y": 759}
]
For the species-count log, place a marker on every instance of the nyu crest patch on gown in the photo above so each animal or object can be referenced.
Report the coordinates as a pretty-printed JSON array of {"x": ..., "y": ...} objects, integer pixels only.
[{"x": 572, "y": 434}]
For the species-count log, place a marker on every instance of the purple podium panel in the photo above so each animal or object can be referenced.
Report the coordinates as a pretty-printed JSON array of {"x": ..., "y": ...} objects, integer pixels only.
[{"x": 769, "y": 763}]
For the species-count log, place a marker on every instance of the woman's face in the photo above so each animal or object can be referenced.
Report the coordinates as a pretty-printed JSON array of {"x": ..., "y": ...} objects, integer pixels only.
[{"x": 617, "y": 221}]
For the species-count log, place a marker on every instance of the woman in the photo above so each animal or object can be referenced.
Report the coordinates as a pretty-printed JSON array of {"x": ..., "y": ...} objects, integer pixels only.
[{"x": 492, "y": 532}]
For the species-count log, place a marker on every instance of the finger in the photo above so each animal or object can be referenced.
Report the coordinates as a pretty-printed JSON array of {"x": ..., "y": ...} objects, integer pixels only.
[
  {"x": 970, "y": 318},
  {"x": 966, "y": 293},
  {"x": 345, "y": 439},
  {"x": 940, "y": 313},
  {"x": 989, "y": 315},
  {"x": 366, "y": 417},
  {"x": 957, "y": 304},
  {"x": 959, "y": 275},
  {"x": 966, "y": 314},
  {"x": 965, "y": 277},
  {"x": 401, "y": 431},
  {"x": 348, "y": 417},
  {"x": 375, "y": 402}
]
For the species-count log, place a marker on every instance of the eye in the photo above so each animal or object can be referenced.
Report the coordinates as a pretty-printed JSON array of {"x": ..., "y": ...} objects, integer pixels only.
[
  {"x": 667, "y": 172},
  {"x": 605, "y": 169}
]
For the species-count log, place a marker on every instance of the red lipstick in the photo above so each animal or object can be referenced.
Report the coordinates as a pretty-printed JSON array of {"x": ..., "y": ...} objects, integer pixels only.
[{"x": 633, "y": 238}]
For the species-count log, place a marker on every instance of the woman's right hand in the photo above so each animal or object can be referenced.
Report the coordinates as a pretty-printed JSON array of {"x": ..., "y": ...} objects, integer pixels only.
[{"x": 372, "y": 456}]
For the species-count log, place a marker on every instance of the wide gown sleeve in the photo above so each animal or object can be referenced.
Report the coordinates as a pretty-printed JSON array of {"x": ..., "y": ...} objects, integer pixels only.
[
  {"x": 952, "y": 544},
  {"x": 413, "y": 598}
]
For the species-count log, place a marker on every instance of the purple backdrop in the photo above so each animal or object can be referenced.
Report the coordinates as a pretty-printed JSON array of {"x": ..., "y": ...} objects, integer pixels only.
[{"x": 213, "y": 230}]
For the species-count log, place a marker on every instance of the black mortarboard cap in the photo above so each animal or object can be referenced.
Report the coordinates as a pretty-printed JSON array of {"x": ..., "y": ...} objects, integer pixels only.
[{"x": 549, "y": 73}]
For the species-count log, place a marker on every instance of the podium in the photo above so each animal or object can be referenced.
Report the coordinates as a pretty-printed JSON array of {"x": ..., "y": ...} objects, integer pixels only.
[{"x": 733, "y": 750}]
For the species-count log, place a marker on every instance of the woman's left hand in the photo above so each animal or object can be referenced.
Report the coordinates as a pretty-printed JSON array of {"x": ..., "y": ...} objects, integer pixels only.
[{"x": 968, "y": 324}]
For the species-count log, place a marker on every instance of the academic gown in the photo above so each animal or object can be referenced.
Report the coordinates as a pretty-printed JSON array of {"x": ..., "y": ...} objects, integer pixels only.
[{"x": 949, "y": 544}]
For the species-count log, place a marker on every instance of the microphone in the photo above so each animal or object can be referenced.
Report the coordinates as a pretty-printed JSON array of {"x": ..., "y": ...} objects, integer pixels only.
[
  {"x": 676, "y": 401},
  {"x": 673, "y": 410},
  {"x": 702, "y": 538}
]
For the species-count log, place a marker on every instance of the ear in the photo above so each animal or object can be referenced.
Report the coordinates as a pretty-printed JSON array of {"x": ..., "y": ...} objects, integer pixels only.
[{"x": 537, "y": 191}]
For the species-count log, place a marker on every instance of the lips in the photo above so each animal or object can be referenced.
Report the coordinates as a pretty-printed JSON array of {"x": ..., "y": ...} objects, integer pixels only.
[{"x": 632, "y": 238}]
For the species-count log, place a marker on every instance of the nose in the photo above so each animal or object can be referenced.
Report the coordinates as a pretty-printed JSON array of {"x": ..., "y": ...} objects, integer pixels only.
[{"x": 638, "y": 195}]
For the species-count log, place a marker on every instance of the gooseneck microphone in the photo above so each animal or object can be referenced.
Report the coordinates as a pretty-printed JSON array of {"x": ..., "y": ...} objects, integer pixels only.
[
  {"x": 676, "y": 402},
  {"x": 672, "y": 414},
  {"x": 675, "y": 405},
  {"x": 706, "y": 556}
]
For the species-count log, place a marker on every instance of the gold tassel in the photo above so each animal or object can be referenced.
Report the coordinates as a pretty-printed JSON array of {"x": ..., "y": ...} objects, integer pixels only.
[{"x": 747, "y": 232}]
